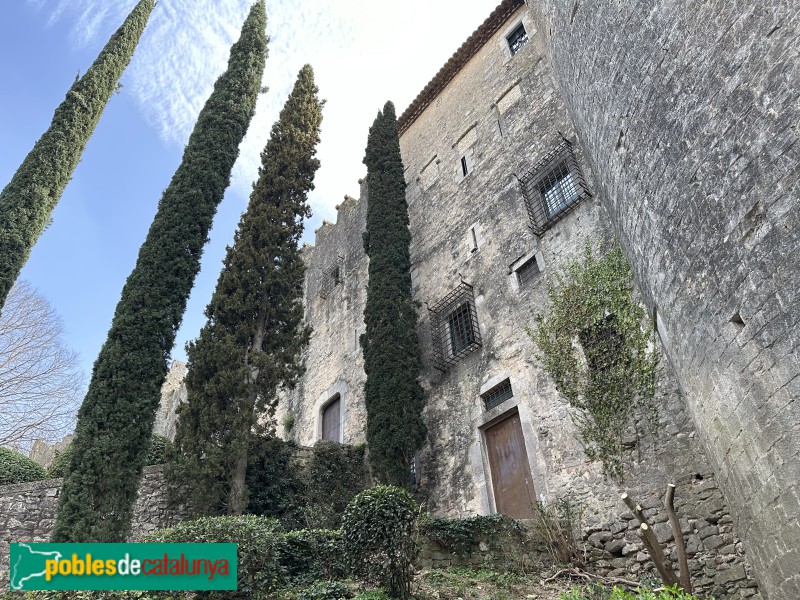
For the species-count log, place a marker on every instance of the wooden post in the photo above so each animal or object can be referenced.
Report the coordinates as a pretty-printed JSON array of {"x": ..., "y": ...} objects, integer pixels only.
[
  {"x": 680, "y": 547},
  {"x": 650, "y": 541}
]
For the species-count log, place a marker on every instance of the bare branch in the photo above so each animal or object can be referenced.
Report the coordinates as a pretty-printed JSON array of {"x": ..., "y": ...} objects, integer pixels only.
[{"x": 40, "y": 380}]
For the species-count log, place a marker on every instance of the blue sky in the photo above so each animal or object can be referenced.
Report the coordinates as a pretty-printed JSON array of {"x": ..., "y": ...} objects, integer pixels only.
[{"x": 363, "y": 52}]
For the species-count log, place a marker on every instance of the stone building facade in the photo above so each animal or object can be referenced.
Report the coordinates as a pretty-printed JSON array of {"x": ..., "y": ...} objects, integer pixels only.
[{"x": 505, "y": 186}]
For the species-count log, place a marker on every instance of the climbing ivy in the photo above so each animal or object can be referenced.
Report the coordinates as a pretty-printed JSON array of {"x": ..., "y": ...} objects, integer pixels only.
[{"x": 597, "y": 346}]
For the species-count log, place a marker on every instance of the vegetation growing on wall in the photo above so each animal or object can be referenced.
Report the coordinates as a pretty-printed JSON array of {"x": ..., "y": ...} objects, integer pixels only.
[
  {"x": 392, "y": 393},
  {"x": 28, "y": 200},
  {"x": 313, "y": 495},
  {"x": 116, "y": 418},
  {"x": 249, "y": 348},
  {"x": 596, "y": 345}
]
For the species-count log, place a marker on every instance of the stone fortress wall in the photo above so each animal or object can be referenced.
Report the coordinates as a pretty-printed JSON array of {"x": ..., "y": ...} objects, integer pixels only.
[
  {"x": 496, "y": 116},
  {"x": 689, "y": 114}
]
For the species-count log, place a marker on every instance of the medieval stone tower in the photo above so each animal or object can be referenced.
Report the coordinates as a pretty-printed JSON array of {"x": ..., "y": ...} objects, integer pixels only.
[{"x": 672, "y": 126}]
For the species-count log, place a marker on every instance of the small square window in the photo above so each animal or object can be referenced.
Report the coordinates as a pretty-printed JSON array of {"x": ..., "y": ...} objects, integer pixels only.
[
  {"x": 517, "y": 39},
  {"x": 528, "y": 271},
  {"x": 497, "y": 395}
]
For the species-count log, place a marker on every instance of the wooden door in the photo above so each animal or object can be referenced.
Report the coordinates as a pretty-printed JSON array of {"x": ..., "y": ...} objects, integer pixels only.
[
  {"x": 330, "y": 421},
  {"x": 511, "y": 473}
]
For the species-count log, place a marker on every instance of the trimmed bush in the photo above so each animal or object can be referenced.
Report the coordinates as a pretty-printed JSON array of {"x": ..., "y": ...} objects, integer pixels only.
[
  {"x": 269, "y": 557},
  {"x": 307, "y": 555},
  {"x": 378, "y": 534},
  {"x": 325, "y": 590},
  {"x": 18, "y": 468},
  {"x": 259, "y": 573}
]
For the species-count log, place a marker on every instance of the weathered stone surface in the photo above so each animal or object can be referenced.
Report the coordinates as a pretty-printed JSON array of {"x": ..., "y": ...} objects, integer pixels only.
[
  {"x": 28, "y": 510},
  {"x": 688, "y": 114}
]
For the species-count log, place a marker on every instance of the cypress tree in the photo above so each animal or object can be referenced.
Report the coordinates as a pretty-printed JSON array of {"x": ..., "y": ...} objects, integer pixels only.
[
  {"x": 249, "y": 347},
  {"x": 28, "y": 200},
  {"x": 394, "y": 397},
  {"x": 116, "y": 418}
]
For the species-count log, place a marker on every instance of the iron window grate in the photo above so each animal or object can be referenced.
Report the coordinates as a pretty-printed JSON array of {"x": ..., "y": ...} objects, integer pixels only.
[
  {"x": 517, "y": 39},
  {"x": 454, "y": 327},
  {"x": 528, "y": 271},
  {"x": 553, "y": 188},
  {"x": 331, "y": 277},
  {"x": 497, "y": 395}
]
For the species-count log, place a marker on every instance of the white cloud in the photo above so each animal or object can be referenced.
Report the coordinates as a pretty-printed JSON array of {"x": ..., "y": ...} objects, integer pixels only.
[{"x": 364, "y": 52}]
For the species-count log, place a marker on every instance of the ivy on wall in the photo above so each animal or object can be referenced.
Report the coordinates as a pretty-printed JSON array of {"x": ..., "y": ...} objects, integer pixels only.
[{"x": 597, "y": 345}]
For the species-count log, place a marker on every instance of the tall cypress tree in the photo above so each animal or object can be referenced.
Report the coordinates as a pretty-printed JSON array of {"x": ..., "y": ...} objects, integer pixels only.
[
  {"x": 249, "y": 347},
  {"x": 116, "y": 418},
  {"x": 394, "y": 397},
  {"x": 28, "y": 200}
]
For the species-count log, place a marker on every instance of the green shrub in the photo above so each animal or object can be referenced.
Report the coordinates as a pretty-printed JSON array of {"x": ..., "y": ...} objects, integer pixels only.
[
  {"x": 259, "y": 573},
  {"x": 372, "y": 595},
  {"x": 325, "y": 590},
  {"x": 18, "y": 468},
  {"x": 273, "y": 481},
  {"x": 269, "y": 557},
  {"x": 335, "y": 474},
  {"x": 310, "y": 496},
  {"x": 307, "y": 555},
  {"x": 598, "y": 592},
  {"x": 378, "y": 535},
  {"x": 60, "y": 464},
  {"x": 462, "y": 536}
]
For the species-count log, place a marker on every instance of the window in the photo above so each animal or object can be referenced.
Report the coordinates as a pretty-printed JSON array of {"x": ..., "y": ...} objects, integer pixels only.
[
  {"x": 454, "y": 327},
  {"x": 527, "y": 271},
  {"x": 331, "y": 277},
  {"x": 517, "y": 39},
  {"x": 497, "y": 395},
  {"x": 331, "y": 423},
  {"x": 460, "y": 325},
  {"x": 465, "y": 150},
  {"x": 559, "y": 191},
  {"x": 553, "y": 188}
]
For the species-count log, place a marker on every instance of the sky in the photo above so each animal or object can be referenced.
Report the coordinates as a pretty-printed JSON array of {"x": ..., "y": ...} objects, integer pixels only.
[{"x": 364, "y": 52}]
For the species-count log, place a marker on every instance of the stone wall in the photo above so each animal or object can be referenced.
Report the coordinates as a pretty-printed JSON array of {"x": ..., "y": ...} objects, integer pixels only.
[
  {"x": 495, "y": 120},
  {"x": 28, "y": 511},
  {"x": 688, "y": 113}
]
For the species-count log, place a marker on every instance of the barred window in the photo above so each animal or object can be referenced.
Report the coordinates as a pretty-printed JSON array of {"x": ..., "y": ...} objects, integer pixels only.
[
  {"x": 553, "y": 188},
  {"x": 527, "y": 271},
  {"x": 460, "y": 325},
  {"x": 517, "y": 39},
  {"x": 454, "y": 327},
  {"x": 497, "y": 395},
  {"x": 331, "y": 277}
]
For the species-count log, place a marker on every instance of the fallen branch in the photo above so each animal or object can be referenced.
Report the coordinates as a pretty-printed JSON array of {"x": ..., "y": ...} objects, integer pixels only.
[{"x": 591, "y": 576}]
